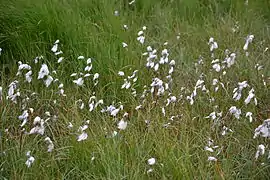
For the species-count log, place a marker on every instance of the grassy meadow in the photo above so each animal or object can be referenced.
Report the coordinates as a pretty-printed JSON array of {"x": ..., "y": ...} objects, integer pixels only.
[{"x": 143, "y": 89}]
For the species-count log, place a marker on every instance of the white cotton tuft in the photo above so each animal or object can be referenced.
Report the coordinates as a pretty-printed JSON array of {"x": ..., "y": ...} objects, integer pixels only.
[
  {"x": 122, "y": 125},
  {"x": 263, "y": 129},
  {"x": 30, "y": 159},
  {"x": 60, "y": 59},
  {"x": 44, "y": 71},
  {"x": 48, "y": 81},
  {"x": 54, "y": 48},
  {"x": 260, "y": 151},
  {"x": 124, "y": 45},
  {"x": 121, "y": 73},
  {"x": 83, "y": 136},
  {"x": 79, "y": 81},
  {"x": 50, "y": 144},
  {"x": 151, "y": 161},
  {"x": 211, "y": 158}
]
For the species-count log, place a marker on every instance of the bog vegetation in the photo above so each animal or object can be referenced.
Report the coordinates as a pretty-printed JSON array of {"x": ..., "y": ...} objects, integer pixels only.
[{"x": 141, "y": 89}]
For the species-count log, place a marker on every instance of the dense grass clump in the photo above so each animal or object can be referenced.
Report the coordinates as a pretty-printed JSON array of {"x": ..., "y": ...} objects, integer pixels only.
[{"x": 144, "y": 89}]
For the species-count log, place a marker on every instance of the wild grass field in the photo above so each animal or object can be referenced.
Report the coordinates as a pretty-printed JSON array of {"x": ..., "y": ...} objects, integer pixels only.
[{"x": 142, "y": 89}]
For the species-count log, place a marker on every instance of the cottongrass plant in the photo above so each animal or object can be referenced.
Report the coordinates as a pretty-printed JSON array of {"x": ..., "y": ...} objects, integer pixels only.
[
  {"x": 167, "y": 121},
  {"x": 159, "y": 96}
]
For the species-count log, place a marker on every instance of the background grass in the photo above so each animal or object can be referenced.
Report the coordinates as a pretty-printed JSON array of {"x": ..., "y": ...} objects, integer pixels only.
[{"x": 29, "y": 28}]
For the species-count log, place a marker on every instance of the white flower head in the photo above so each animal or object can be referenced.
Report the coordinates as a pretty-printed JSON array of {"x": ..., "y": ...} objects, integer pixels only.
[
  {"x": 149, "y": 48},
  {"x": 89, "y": 61},
  {"x": 156, "y": 67},
  {"x": 79, "y": 81},
  {"x": 213, "y": 45},
  {"x": 30, "y": 159},
  {"x": 225, "y": 130},
  {"x": 50, "y": 144},
  {"x": 124, "y": 45},
  {"x": 39, "y": 126},
  {"x": 96, "y": 76},
  {"x": 70, "y": 125},
  {"x": 243, "y": 84},
  {"x": 59, "y": 52},
  {"x": 1, "y": 93},
  {"x": 73, "y": 74},
  {"x": 24, "y": 117},
  {"x": 236, "y": 112},
  {"x": 230, "y": 60},
  {"x": 138, "y": 107},
  {"x": 81, "y": 57},
  {"x": 238, "y": 91},
  {"x": 263, "y": 129},
  {"x": 116, "y": 13},
  {"x": 172, "y": 63},
  {"x": 215, "y": 81},
  {"x": 163, "y": 111},
  {"x": 22, "y": 67},
  {"x": 13, "y": 92},
  {"x": 54, "y": 48},
  {"x": 48, "y": 81},
  {"x": 44, "y": 71},
  {"x": 211, "y": 158},
  {"x": 151, "y": 161},
  {"x": 250, "y": 96},
  {"x": 173, "y": 99},
  {"x": 83, "y": 136},
  {"x": 208, "y": 149},
  {"x": 249, "y": 39},
  {"x": 83, "y": 128},
  {"x": 60, "y": 59},
  {"x": 141, "y": 39},
  {"x": 150, "y": 170},
  {"x": 212, "y": 115},
  {"x": 99, "y": 103},
  {"x": 12, "y": 87},
  {"x": 88, "y": 67},
  {"x": 165, "y": 54},
  {"x": 121, "y": 73},
  {"x": 216, "y": 67},
  {"x": 122, "y": 125},
  {"x": 249, "y": 115},
  {"x": 140, "y": 33},
  {"x": 260, "y": 151},
  {"x": 115, "y": 112},
  {"x": 28, "y": 76},
  {"x": 126, "y": 84},
  {"x": 125, "y": 27}
]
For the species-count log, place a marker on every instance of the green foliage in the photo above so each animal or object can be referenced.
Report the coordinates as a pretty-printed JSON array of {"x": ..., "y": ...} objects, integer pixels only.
[{"x": 89, "y": 27}]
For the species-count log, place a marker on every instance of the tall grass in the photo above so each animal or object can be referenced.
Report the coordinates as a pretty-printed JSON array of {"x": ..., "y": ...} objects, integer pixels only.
[{"x": 89, "y": 28}]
